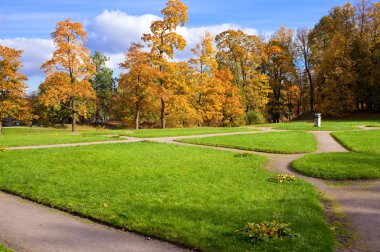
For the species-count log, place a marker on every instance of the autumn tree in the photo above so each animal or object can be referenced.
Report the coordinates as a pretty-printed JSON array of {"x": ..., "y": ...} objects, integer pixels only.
[
  {"x": 180, "y": 112},
  {"x": 242, "y": 54},
  {"x": 215, "y": 98},
  {"x": 331, "y": 41},
  {"x": 163, "y": 40},
  {"x": 304, "y": 53},
  {"x": 69, "y": 72},
  {"x": 13, "y": 102},
  {"x": 138, "y": 86},
  {"x": 280, "y": 69},
  {"x": 208, "y": 91},
  {"x": 103, "y": 84}
]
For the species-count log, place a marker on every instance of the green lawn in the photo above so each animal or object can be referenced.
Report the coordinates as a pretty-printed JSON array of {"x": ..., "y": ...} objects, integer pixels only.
[
  {"x": 195, "y": 196},
  {"x": 360, "y": 141},
  {"x": 4, "y": 249},
  {"x": 12, "y": 137},
  {"x": 273, "y": 142},
  {"x": 150, "y": 133},
  {"x": 339, "y": 166},
  {"x": 363, "y": 163},
  {"x": 328, "y": 125}
]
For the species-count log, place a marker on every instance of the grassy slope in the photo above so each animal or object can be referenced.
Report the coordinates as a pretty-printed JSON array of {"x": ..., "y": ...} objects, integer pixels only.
[
  {"x": 364, "y": 163},
  {"x": 275, "y": 142},
  {"x": 195, "y": 196},
  {"x": 42, "y": 136},
  {"x": 329, "y": 125},
  {"x": 149, "y": 133},
  {"x": 360, "y": 141}
]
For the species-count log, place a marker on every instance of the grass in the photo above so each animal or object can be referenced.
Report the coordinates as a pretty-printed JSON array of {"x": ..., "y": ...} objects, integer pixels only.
[
  {"x": 5, "y": 249},
  {"x": 328, "y": 125},
  {"x": 13, "y": 137},
  {"x": 339, "y": 166},
  {"x": 363, "y": 163},
  {"x": 24, "y": 136},
  {"x": 360, "y": 141},
  {"x": 194, "y": 196},
  {"x": 150, "y": 133},
  {"x": 273, "y": 142}
]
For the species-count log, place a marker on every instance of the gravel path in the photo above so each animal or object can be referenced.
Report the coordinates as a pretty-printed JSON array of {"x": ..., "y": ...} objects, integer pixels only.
[{"x": 32, "y": 227}]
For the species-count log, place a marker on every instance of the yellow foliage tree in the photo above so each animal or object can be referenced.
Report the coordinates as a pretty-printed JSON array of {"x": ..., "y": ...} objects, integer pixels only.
[
  {"x": 163, "y": 39},
  {"x": 214, "y": 98},
  {"x": 69, "y": 71},
  {"x": 13, "y": 102}
]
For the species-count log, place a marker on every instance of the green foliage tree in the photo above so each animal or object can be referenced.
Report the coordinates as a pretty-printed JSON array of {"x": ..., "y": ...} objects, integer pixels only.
[{"x": 103, "y": 83}]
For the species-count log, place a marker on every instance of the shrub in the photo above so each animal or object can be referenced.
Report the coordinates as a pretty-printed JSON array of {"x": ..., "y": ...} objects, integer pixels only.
[
  {"x": 281, "y": 178},
  {"x": 3, "y": 149},
  {"x": 243, "y": 154},
  {"x": 265, "y": 231},
  {"x": 254, "y": 117}
]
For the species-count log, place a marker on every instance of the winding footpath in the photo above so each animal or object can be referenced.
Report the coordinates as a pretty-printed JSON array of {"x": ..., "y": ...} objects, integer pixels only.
[{"x": 27, "y": 226}]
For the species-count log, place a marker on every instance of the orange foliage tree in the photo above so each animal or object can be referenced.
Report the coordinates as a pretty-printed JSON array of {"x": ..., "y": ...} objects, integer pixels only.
[
  {"x": 137, "y": 88},
  {"x": 68, "y": 72},
  {"x": 13, "y": 102},
  {"x": 163, "y": 40}
]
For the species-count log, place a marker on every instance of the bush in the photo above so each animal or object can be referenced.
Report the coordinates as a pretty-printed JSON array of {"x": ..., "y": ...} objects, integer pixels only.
[
  {"x": 265, "y": 231},
  {"x": 3, "y": 149},
  {"x": 255, "y": 117},
  {"x": 243, "y": 154},
  {"x": 281, "y": 178}
]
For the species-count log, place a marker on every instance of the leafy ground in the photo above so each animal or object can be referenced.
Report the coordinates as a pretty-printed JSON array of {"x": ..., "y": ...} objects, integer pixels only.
[
  {"x": 339, "y": 166},
  {"x": 363, "y": 163},
  {"x": 328, "y": 125},
  {"x": 360, "y": 141},
  {"x": 41, "y": 136},
  {"x": 274, "y": 142},
  {"x": 195, "y": 196},
  {"x": 149, "y": 133}
]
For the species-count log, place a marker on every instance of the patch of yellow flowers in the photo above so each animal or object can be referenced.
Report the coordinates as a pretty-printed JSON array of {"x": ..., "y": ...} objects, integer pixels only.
[
  {"x": 3, "y": 149},
  {"x": 281, "y": 178}
]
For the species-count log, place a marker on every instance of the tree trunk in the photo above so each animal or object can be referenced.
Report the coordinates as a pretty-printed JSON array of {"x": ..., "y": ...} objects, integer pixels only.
[
  {"x": 162, "y": 113},
  {"x": 137, "y": 116},
  {"x": 1, "y": 127},
  {"x": 311, "y": 90},
  {"x": 73, "y": 121}
]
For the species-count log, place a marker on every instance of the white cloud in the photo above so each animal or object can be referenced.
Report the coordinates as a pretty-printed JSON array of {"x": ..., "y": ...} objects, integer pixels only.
[
  {"x": 115, "y": 60},
  {"x": 113, "y": 31},
  {"x": 36, "y": 52}
]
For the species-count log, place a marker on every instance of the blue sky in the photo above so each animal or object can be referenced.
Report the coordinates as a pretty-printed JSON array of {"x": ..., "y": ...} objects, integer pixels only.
[{"x": 113, "y": 24}]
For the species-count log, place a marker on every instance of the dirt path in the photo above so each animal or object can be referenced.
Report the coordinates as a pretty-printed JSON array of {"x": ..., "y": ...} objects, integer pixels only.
[
  {"x": 127, "y": 140},
  {"x": 26, "y": 226}
]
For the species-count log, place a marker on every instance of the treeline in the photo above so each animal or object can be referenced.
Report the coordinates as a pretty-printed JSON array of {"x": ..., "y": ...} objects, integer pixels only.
[{"x": 232, "y": 79}]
